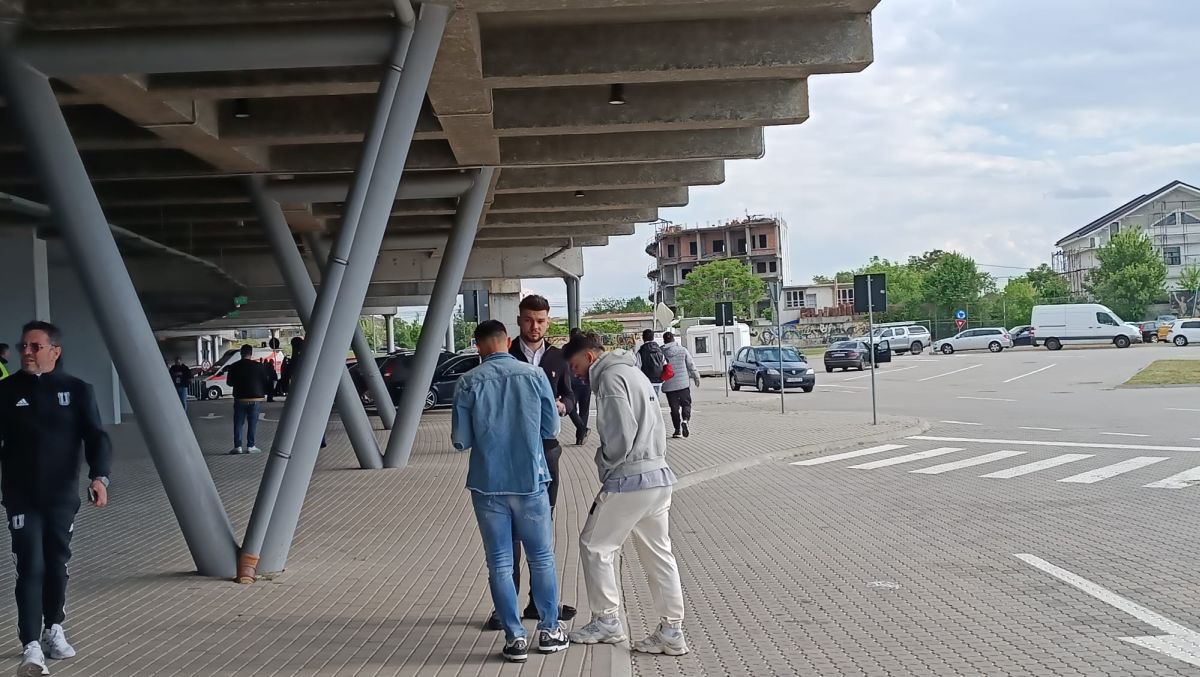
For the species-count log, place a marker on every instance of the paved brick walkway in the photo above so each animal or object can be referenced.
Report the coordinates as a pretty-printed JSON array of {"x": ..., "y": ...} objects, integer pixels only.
[{"x": 387, "y": 575}]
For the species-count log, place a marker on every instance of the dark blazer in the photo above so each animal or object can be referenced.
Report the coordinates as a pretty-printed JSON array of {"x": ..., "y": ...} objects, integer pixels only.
[{"x": 557, "y": 371}]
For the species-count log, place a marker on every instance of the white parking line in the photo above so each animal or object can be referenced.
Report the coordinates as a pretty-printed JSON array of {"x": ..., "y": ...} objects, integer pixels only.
[
  {"x": 1125, "y": 434},
  {"x": 882, "y": 373},
  {"x": 851, "y": 454},
  {"x": 838, "y": 385},
  {"x": 920, "y": 455},
  {"x": 1042, "y": 443},
  {"x": 960, "y": 422},
  {"x": 957, "y": 465},
  {"x": 1031, "y": 373},
  {"x": 1180, "y": 409},
  {"x": 1036, "y": 466},
  {"x": 956, "y": 371},
  {"x": 1093, "y": 476},
  {"x": 986, "y": 399},
  {"x": 1183, "y": 480},
  {"x": 1029, "y": 427}
]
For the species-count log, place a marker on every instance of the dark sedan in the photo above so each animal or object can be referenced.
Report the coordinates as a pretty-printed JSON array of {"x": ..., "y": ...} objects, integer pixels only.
[
  {"x": 760, "y": 366},
  {"x": 440, "y": 391},
  {"x": 846, "y": 355}
]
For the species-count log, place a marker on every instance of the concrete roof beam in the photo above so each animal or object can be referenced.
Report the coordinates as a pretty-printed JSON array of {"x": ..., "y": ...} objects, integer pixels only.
[
  {"x": 611, "y": 177},
  {"x": 589, "y": 200},
  {"x": 458, "y": 95},
  {"x": 309, "y": 120},
  {"x": 601, "y": 149}
]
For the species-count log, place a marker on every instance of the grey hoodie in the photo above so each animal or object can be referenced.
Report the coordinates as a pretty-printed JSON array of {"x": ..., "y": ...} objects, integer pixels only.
[
  {"x": 681, "y": 362},
  {"x": 633, "y": 437}
]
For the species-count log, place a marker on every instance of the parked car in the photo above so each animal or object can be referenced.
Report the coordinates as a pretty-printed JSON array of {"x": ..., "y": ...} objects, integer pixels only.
[
  {"x": 1022, "y": 335},
  {"x": 440, "y": 390},
  {"x": 356, "y": 375},
  {"x": 1164, "y": 331},
  {"x": 759, "y": 366},
  {"x": 1148, "y": 330},
  {"x": 846, "y": 355},
  {"x": 1183, "y": 332},
  {"x": 994, "y": 339},
  {"x": 1080, "y": 323},
  {"x": 1138, "y": 337},
  {"x": 913, "y": 338}
]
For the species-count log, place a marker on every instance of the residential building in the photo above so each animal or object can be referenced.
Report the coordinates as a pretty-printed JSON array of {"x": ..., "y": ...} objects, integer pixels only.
[
  {"x": 833, "y": 299},
  {"x": 759, "y": 241},
  {"x": 1169, "y": 215},
  {"x": 630, "y": 322}
]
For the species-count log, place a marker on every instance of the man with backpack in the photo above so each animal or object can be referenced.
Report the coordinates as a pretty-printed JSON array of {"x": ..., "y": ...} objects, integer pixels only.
[{"x": 652, "y": 362}]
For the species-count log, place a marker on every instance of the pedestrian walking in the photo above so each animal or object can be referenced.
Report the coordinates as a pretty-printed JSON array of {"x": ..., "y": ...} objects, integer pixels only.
[
  {"x": 534, "y": 348},
  {"x": 650, "y": 360},
  {"x": 181, "y": 377},
  {"x": 272, "y": 377},
  {"x": 583, "y": 402},
  {"x": 634, "y": 498},
  {"x": 47, "y": 417},
  {"x": 250, "y": 385},
  {"x": 503, "y": 410},
  {"x": 677, "y": 388}
]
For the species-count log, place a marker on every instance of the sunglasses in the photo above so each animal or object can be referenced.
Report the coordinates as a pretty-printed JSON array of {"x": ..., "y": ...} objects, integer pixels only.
[{"x": 34, "y": 348}]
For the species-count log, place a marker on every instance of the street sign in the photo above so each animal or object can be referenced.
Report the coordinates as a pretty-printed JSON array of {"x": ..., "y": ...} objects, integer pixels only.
[
  {"x": 240, "y": 300},
  {"x": 960, "y": 323},
  {"x": 232, "y": 314},
  {"x": 724, "y": 314},
  {"x": 960, "y": 314},
  {"x": 663, "y": 316},
  {"x": 870, "y": 295}
]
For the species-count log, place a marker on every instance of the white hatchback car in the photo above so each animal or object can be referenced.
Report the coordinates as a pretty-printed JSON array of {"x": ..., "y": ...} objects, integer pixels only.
[
  {"x": 994, "y": 339},
  {"x": 1183, "y": 332}
]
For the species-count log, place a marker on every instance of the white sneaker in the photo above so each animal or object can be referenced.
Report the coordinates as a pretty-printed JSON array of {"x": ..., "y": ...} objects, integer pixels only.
[
  {"x": 33, "y": 663},
  {"x": 237, "y": 450},
  {"x": 664, "y": 640},
  {"x": 254, "y": 450},
  {"x": 599, "y": 631},
  {"x": 55, "y": 641}
]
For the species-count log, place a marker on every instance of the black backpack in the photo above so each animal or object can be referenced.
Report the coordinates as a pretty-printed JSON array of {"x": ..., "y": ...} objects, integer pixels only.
[{"x": 653, "y": 361}]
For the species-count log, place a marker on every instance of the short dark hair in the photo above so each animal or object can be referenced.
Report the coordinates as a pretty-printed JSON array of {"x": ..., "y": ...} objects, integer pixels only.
[
  {"x": 247, "y": 350},
  {"x": 647, "y": 335},
  {"x": 3, "y": 347},
  {"x": 584, "y": 341},
  {"x": 575, "y": 331},
  {"x": 668, "y": 337},
  {"x": 51, "y": 330},
  {"x": 490, "y": 329},
  {"x": 534, "y": 302}
]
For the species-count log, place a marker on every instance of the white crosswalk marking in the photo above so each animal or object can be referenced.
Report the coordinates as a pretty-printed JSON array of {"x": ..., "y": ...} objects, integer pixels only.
[
  {"x": 1036, "y": 466},
  {"x": 967, "y": 463},
  {"x": 1113, "y": 470},
  {"x": 906, "y": 458},
  {"x": 851, "y": 454},
  {"x": 1183, "y": 480}
]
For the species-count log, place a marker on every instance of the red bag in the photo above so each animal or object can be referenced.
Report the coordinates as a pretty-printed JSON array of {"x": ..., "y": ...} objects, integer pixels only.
[{"x": 668, "y": 372}]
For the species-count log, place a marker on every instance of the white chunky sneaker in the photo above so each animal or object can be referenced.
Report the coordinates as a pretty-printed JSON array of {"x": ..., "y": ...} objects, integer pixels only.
[
  {"x": 664, "y": 640},
  {"x": 599, "y": 631},
  {"x": 33, "y": 663},
  {"x": 55, "y": 641}
]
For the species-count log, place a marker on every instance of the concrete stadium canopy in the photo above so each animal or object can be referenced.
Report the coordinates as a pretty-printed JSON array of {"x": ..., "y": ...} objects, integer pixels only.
[{"x": 171, "y": 103}]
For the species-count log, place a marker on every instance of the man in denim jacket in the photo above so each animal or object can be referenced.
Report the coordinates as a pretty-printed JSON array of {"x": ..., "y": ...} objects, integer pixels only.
[{"x": 503, "y": 409}]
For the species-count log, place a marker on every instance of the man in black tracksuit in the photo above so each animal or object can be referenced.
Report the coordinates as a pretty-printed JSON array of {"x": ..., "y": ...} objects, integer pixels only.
[
  {"x": 533, "y": 348},
  {"x": 47, "y": 417}
]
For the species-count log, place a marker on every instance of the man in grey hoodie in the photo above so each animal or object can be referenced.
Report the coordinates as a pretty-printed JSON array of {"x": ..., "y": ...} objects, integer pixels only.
[
  {"x": 635, "y": 498},
  {"x": 676, "y": 388}
]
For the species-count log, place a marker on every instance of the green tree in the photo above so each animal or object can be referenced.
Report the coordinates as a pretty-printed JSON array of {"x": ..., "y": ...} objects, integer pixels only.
[
  {"x": 1019, "y": 298},
  {"x": 1048, "y": 286},
  {"x": 1131, "y": 275},
  {"x": 905, "y": 289},
  {"x": 723, "y": 280},
  {"x": 925, "y": 262},
  {"x": 603, "y": 327},
  {"x": 1189, "y": 279},
  {"x": 953, "y": 279},
  {"x": 607, "y": 305}
]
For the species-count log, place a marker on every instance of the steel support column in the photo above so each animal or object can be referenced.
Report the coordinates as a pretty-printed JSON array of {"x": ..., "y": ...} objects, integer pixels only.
[
  {"x": 573, "y": 318},
  {"x": 300, "y": 287},
  {"x": 348, "y": 274},
  {"x": 438, "y": 316},
  {"x": 450, "y": 335},
  {"x": 390, "y": 332},
  {"x": 362, "y": 350},
  {"x": 80, "y": 219}
]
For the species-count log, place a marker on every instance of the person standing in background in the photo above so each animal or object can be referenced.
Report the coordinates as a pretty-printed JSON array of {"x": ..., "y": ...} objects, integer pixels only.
[
  {"x": 250, "y": 384},
  {"x": 583, "y": 401},
  {"x": 181, "y": 378},
  {"x": 4, "y": 373}
]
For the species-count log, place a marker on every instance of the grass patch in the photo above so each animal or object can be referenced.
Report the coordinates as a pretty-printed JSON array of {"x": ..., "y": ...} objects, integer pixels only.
[{"x": 1168, "y": 372}]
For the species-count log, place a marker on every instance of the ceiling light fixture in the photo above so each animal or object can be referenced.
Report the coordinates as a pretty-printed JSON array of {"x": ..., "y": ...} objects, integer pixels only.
[
  {"x": 579, "y": 193},
  {"x": 241, "y": 108},
  {"x": 616, "y": 94}
]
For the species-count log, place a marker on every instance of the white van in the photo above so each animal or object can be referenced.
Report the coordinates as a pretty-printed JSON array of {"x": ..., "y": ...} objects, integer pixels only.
[
  {"x": 215, "y": 385},
  {"x": 706, "y": 341},
  {"x": 1080, "y": 324}
]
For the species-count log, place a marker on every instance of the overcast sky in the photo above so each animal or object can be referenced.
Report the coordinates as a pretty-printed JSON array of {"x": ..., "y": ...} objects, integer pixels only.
[{"x": 990, "y": 127}]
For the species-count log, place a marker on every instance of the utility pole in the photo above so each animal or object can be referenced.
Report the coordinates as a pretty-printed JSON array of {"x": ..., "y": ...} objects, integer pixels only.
[{"x": 723, "y": 340}]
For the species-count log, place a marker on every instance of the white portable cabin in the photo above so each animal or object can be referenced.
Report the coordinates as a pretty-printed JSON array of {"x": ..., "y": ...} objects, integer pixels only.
[{"x": 706, "y": 341}]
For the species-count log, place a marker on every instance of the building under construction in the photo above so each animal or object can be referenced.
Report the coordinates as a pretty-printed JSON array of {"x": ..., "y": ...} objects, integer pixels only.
[{"x": 759, "y": 241}]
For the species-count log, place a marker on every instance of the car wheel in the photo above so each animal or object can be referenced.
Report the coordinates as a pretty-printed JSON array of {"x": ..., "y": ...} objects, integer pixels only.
[
  {"x": 861, "y": 365},
  {"x": 947, "y": 349},
  {"x": 762, "y": 384},
  {"x": 1121, "y": 341},
  {"x": 807, "y": 389},
  {"x": 1181, "y": 341},
  {"x": 995, "y": 346},
  {"x": 431, "y": 399},
  {"x": 214, "y": 393},
  {"x": 733, "y": 384},
  {"x": 916, "y": 348},
  {"x": 1053, "y": 344}
]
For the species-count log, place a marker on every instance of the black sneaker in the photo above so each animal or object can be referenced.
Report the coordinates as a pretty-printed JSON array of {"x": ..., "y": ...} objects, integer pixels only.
[
  {"x": 686, "y": 430},
  {"x": 517, "y": 650},
  {"x": 493, "y": 622},
  {"x": 676, "y": 435},
  {"x": 582, "y": 438},
  {"x": 552, "y": 641},
  {"x": 565, "y": 613}
]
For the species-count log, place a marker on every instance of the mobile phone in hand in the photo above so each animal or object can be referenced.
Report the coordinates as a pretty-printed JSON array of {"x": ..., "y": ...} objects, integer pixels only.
[{"x": 91, "y": 495}]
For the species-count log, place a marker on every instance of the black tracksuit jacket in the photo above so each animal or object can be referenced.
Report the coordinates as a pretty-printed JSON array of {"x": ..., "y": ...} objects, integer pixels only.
[{"x": 46, "y": 422}]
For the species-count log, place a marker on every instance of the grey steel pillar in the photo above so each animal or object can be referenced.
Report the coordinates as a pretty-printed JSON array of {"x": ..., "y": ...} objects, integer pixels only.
[
  {"x": 348, "y": 276},
  {"x": 450, "y": 335},
  {"x": 300, "y": 287},
  {"x": 80, "y": 219},
  {"x": 214, "y": 351},
  {"x": 362, "y": 350},
  {"x": 438, "y": 316},
  {"x": 573, "y": 318},
  {"x": 390, "y": 332}
]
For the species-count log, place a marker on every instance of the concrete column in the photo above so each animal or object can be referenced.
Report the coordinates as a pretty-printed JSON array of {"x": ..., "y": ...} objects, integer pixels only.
[
  {"x": 215, "y": 351},
  {"x": 390, "y": 331},
  {"x": 573, "y": 317},
  {"x": 504, "y": 299},
  {"x": 699, "y": 247},
  {"x": 199, "y": 349},
  {"x": 450, "y": 336},
  {"x": 24, "y": 279}
]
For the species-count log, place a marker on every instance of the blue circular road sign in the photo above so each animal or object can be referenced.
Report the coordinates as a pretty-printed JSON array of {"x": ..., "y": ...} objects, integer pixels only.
[{"x": 960, "y": 314}]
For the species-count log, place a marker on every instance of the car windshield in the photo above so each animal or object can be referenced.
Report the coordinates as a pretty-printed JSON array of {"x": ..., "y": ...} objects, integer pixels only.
[
  {"x": 845, "y": 345},
  {"x": 877, "y": 332},
  {"x": 772, "y": 355}
]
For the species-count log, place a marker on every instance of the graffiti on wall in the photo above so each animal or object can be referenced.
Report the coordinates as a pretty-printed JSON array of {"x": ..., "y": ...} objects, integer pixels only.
[{"x": 819, "y": 333}]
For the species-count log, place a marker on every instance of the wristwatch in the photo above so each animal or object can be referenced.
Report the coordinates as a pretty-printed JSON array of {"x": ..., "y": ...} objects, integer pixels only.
[{"x": 103, "y": 480}]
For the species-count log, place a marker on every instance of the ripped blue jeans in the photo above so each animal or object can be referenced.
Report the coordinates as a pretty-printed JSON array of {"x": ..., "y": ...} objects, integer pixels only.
[{"x": 500, "y": 516}]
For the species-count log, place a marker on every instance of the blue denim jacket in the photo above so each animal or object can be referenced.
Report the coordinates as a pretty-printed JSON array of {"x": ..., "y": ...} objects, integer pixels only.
[{"x": 503, "y": 409}]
